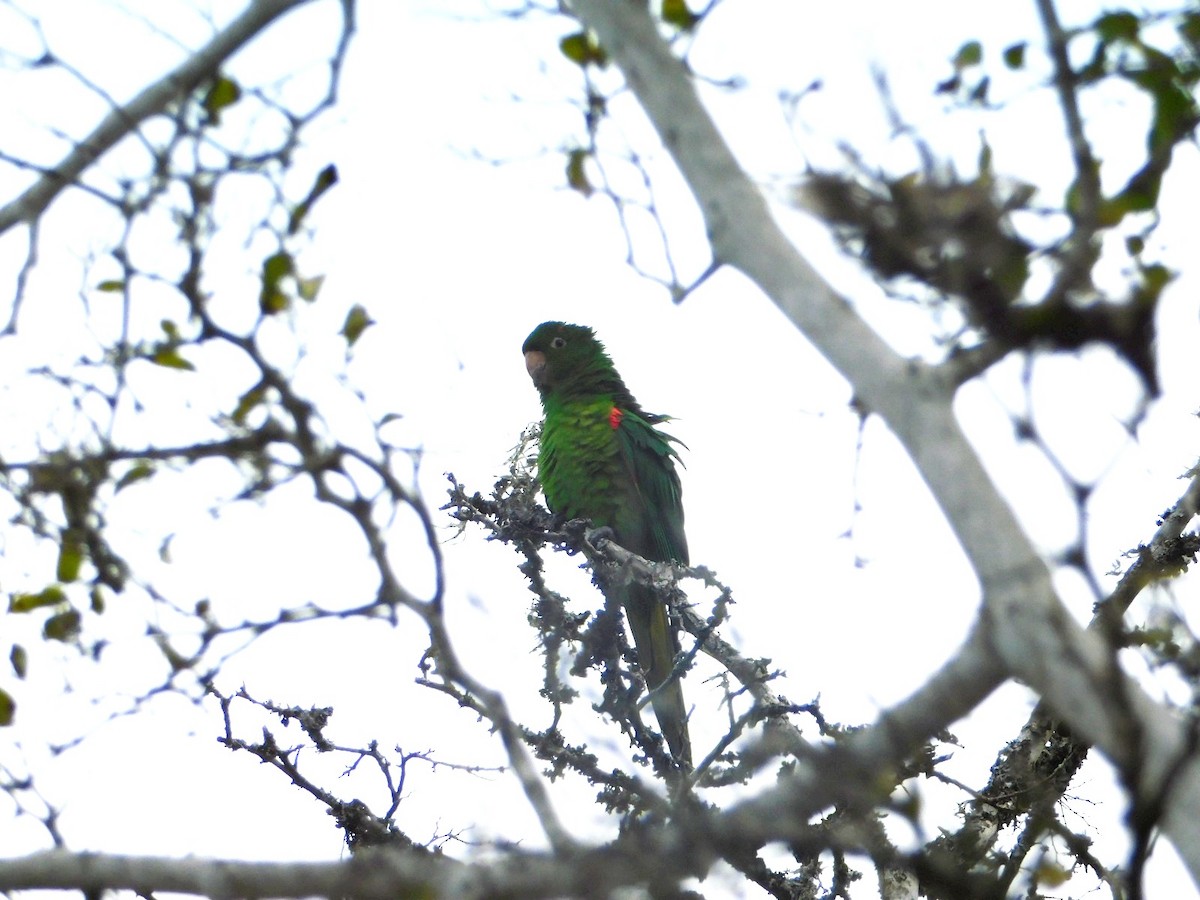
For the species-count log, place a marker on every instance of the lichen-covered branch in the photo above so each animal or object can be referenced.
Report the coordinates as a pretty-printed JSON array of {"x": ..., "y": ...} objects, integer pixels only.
[{"x": 123, "y": 120}]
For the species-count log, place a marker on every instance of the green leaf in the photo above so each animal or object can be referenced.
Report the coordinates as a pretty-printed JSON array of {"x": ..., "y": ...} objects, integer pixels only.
[
  {"x": 358, "y": 320},
  {"x": 112, "y": 287},
  {"x": 22, "y": 603},
  {"x": 1156, "y": 277},
  {"x": 70, "y": 560},
  {"x": 1135, "y": 245},
  {"x": 969, "y": 54},
  {"x": 168, "y": 357},
  {"x": 1014, "y": 56},
  {"x": 1118, "y": 26},
  {"x": 676, "y": 12},
  {"x": 137, "y": 472},
  {"x": 273, "y": 300},
  {"x": 224, "y": 92},
  {"x": 576, "y": 172},
  {"x": 1111, "y": 212},
  {"x": 19, "y": 660},
  {"x": 308, "y": 288},
  {"x": 7, "y": 707},
  {"x": 1175, "y": 112},
  {"x": 276, "y": 267},
  {"x": 247, "y": 402},
  {"x": 1139, "y": 195},
  {"x": 63, "y": 626},
  {"x": 581, "y": 48},
  {"x": 326, "y": 179},
  {"x": 97, "y": 598},
  {"x": 575, "y": 48}
]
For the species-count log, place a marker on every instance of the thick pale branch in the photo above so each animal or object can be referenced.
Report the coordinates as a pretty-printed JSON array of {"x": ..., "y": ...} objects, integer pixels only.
[
  {"x": 1022, "y": 620},
  {"x": 153, "y": 100},
  {"x": 1041, "y": 759},
  {"x": 366, "y": 875}
]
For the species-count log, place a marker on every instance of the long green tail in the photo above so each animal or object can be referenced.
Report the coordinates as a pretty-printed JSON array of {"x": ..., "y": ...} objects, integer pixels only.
[{"x": 657, "y": 646}]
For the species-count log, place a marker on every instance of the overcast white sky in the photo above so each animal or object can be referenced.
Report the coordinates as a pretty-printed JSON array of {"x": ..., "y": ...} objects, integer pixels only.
[{"x": 457, "y": 259}]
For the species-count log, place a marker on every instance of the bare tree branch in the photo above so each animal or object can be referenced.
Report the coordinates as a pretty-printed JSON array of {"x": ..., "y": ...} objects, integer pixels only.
[
  {"x": 150, "y": 102},
  {"x": 847, "y": 772}
]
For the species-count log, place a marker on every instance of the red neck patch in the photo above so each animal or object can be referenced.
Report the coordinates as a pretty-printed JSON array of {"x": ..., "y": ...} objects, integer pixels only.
[{"x": 614, "y": 417}]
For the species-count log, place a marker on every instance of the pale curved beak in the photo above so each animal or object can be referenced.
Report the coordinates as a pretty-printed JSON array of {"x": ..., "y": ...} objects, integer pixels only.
[{"x": 535, "y": 365}]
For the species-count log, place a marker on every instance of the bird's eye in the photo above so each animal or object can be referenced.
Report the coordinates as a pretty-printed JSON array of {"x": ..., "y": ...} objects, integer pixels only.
[{"x": 558, "y": 343}]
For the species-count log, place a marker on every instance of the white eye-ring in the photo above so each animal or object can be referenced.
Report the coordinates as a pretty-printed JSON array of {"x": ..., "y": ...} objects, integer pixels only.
[{"x": 558, "y": 343}]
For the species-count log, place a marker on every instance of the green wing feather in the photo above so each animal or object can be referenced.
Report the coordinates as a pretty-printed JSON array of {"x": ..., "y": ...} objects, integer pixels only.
[
  {"x": 650, "y": 523},
  {"x": 649, "y": 460}
]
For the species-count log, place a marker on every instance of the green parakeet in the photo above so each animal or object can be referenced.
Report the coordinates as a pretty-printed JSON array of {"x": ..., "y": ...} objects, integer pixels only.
[{"x": 602, "y": 458}]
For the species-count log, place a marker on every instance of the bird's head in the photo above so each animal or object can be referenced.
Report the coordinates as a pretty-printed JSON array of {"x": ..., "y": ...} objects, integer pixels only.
[{"x": 556, "y": 353}]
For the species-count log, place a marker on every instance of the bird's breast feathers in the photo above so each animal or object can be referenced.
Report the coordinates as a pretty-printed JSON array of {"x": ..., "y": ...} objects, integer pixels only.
[{"x": 579, "y": 459}]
